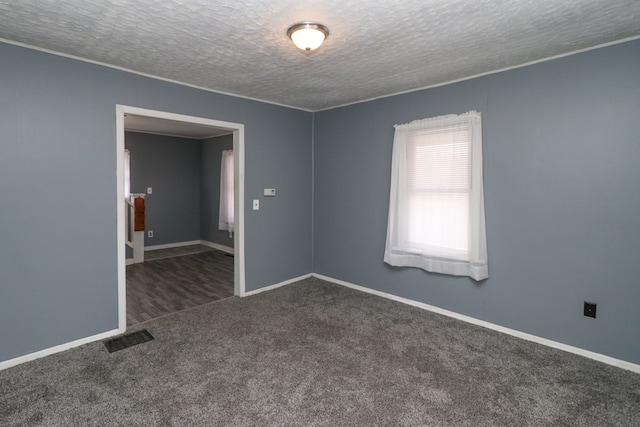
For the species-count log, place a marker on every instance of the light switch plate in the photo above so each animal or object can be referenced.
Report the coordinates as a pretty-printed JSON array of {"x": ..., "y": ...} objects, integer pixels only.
[
  {"x": 149, "y": 190},
  {"x": 256, "y": 205},
  {"x": 269, "y": 192}
]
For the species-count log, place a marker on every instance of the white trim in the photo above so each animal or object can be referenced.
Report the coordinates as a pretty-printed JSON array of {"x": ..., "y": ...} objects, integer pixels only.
[
  {"x": 223, "y": 248},
  {"x": 120, "y": 221},
  {"x": 198, "y": 138},
  {"x": 238, "y": 203},
  {"x": 238, "y": 147},
  {"x": 487, "y": 73},
  {"x": 56, "y": 349},
  {"x": 129, "y": 261},
  {"x": 164, "y": 79},
  {"x": 277, "y": 285},
  {"x": 529, "y": 337},
  {"x": 218, "y": 246},
  {"x": 172, "y": 245},
  {"x": 151, "y": 76}
]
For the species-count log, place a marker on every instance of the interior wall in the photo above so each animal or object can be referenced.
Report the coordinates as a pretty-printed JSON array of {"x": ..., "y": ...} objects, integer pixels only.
[
  {"x": 58, "y": 266},
  {"x": 561, "y": 162},
  {"x": 171, "y": 166},
  {"x": 185, "y": 176},
  {"x": 211, "y": 156},
  {"x": 561, "y": 168}
]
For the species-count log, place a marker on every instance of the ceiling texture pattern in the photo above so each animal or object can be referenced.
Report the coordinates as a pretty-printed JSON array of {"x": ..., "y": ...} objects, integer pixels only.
[{"x": 375, "y": 47}]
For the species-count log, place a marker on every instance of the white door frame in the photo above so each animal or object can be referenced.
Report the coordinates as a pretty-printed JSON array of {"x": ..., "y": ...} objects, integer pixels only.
[{"x": 238, "y": 156}]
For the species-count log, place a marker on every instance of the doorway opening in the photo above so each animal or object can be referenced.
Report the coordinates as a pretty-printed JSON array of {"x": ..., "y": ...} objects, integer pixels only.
[{"x": 157, "y": 122}]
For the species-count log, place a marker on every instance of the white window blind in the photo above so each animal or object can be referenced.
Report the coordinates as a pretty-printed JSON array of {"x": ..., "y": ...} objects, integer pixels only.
[{"x": 436, "y": 208}]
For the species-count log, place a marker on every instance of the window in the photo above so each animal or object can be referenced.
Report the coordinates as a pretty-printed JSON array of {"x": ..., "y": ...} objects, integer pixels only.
[
  {"x": 226, "y": 218},
  {"x": 436, "y": 205},
  {"x": 127, "y": 174}
]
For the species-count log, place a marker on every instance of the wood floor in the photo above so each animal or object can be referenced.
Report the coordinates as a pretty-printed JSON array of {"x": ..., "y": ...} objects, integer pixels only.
[{"x": 163, "y": 286}]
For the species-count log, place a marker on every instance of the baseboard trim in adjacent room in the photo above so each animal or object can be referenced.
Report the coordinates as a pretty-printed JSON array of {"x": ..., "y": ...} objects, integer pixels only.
[
  {"x": 277, "y": 285},
  {"x": 129, "y": 261},
  {"x": 57, "y": 349},
  {"x": 526, "y": 336},
  {"x": 218, "y": 246},
  {"x": 172, "y": 245},
  {"x": 223, "y": 248}
]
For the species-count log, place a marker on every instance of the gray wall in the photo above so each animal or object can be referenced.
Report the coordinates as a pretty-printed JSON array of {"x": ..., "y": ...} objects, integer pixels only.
[
  {"x": 171, "y": 167},
  {"x": 211, "y": 156},
  {"x": 561, "y": 170},
  {"x": 58, "y": 267},
  {"x": 561, "y": 157},
  {"x": 185, "y": 177}
]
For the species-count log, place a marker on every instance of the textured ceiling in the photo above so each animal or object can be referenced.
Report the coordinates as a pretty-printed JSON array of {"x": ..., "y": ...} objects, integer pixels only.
[{"x": 375, "y": 47}]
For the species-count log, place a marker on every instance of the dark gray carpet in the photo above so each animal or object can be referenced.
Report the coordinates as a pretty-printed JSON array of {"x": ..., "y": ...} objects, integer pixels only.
[{"x": 317, "y": 354}]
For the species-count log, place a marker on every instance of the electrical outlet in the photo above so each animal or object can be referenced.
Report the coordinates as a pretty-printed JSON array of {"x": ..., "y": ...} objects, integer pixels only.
[
  {"x": 149, "y": 190},
  {"x": 150, "y": 233},
  {"x": 590, "y": 309}
]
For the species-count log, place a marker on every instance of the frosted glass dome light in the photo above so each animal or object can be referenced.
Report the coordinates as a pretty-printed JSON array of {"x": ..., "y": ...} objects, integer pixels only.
[{"x": 308, "y": 36}]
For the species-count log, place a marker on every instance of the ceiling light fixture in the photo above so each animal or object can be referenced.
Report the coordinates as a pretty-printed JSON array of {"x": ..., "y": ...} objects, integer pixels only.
[{"x": 308, "y": 36}]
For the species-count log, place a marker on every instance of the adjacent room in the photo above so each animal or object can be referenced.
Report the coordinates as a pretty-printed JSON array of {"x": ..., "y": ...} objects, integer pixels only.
[
  {"x": 186, "y": 254},
  {"x": 435, "y": 213}
]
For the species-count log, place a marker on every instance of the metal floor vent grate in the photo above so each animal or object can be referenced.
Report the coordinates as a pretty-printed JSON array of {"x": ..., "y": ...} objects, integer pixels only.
[{"x": 129, "y": 340}]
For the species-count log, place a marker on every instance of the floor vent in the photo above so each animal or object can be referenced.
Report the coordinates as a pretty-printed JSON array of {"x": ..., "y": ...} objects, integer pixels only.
[{"x": 129, "y": 340}]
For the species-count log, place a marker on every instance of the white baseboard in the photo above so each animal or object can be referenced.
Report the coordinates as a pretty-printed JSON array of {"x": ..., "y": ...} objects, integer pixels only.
[
  {"x": 66, "y": 346},
  {"x": 529, "y": 337},
  {"x": 129, "y": 261},
  {"x": 172, "y": 245},
  {"x": 223, "y": 248},
  {"x": 277, "y": 285},
  {"x": 57, "y": 349},
  {"x": 218, "y": 246}
]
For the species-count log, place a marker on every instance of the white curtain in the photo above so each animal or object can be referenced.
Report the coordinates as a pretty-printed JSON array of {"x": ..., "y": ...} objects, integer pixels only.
[
  {"x": 226, "y": 221},
  {"x": 127, "y": 174},
  {"x": 436, "y": 205}
]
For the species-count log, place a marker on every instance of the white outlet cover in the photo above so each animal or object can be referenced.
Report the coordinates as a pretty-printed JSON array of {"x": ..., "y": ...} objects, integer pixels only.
[
  {"x": 256, "y": 205},
  {"x": 149, "y": 190}
]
